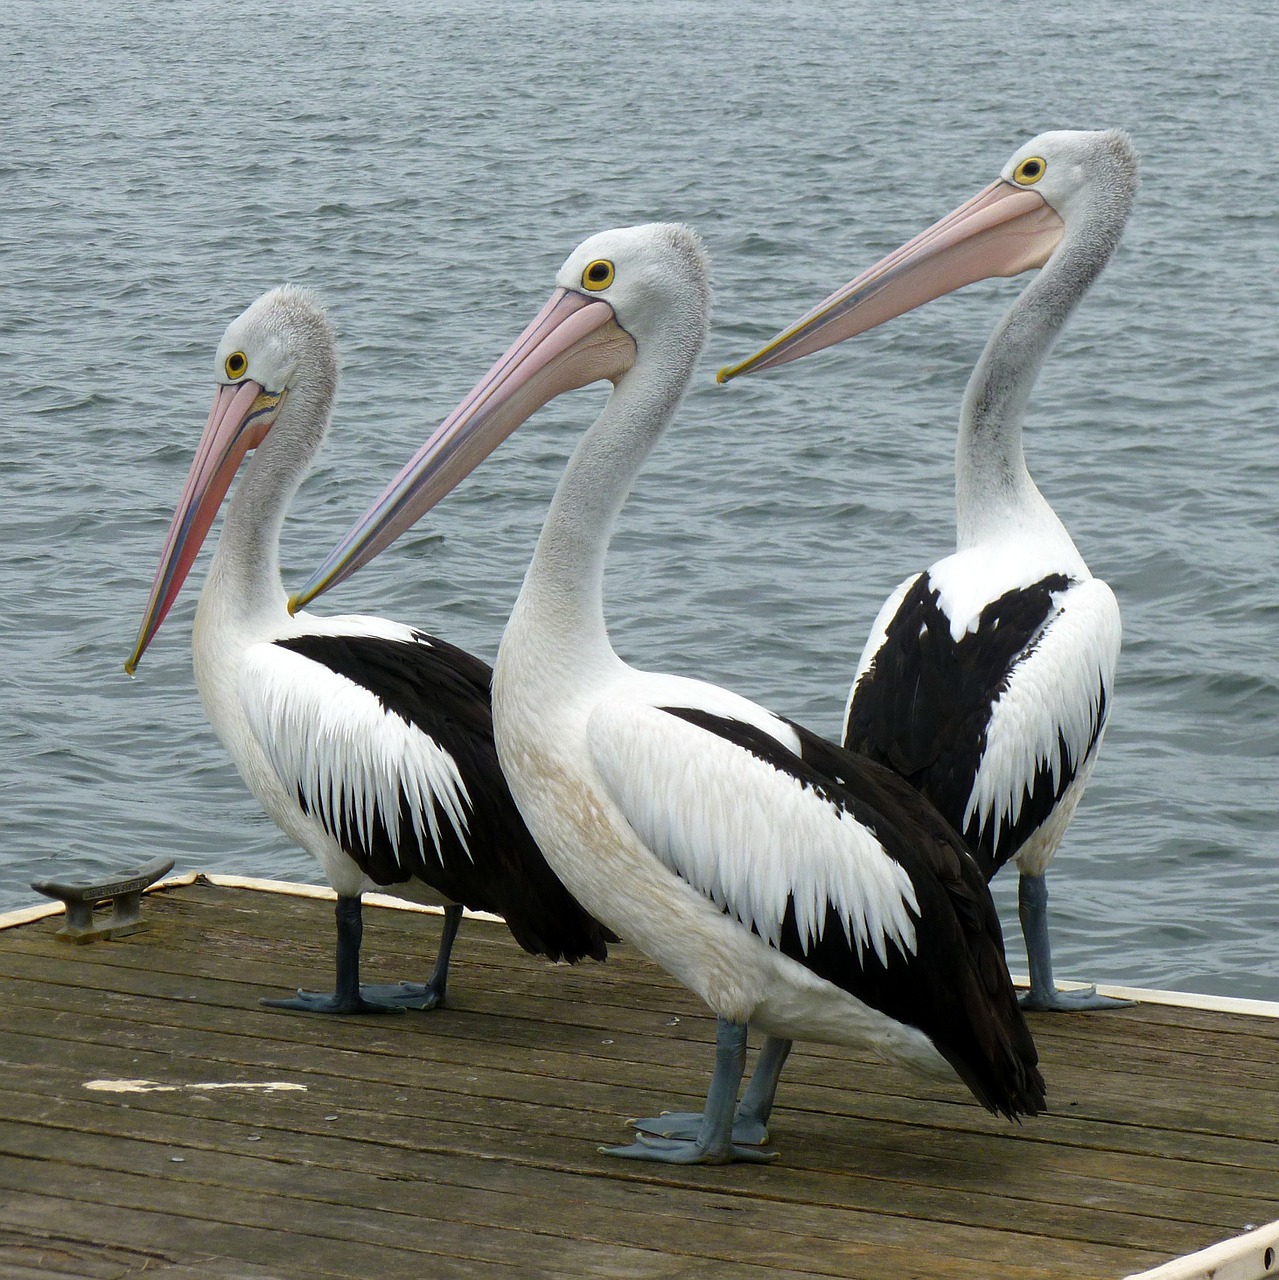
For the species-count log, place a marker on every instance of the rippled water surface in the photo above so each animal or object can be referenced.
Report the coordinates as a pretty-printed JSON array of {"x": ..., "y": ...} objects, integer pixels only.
[{"x": 427, "y": 168}]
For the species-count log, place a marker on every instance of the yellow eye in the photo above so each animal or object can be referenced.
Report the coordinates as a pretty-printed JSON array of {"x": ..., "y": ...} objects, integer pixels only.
[
  {"x": 1031, "y": 169},
  {"x": 599, "y": 275},
  {"x": 236, "y": 364}
]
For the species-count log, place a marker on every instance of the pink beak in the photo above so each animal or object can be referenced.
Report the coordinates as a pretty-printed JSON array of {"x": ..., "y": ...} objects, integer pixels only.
[
  {"x": 1001, "y": 231},
  {"x": 241, "y": 416},
  {"x": 574, "y": 340}
]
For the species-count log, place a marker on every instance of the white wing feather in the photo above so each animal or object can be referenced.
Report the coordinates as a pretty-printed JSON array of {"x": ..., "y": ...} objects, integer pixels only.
[
  {"x": 333, "y": 741},
  {"x": 747, "y": 835},
  {"x": 1052, "y": 692}
]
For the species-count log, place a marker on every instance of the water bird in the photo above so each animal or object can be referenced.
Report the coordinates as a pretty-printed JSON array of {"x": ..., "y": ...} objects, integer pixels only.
[
  {"x": 788, "y": 883},
  {"x": 368, "y": 742},
  {"x": 987, "y": 679}
]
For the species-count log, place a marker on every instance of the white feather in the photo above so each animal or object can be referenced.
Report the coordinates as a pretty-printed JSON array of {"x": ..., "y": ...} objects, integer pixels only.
[
  {"x": 334, "y": 741},
  {"x": 745, "y": 834},
  {"x": 969, "y": 580},
  {"x": 1051, "y": 695}
]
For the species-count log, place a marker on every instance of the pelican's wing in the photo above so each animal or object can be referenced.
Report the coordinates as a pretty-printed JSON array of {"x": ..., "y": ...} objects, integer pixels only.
[
  {"x": 750, "y": 826},
  {"x": 385, "y": 736},
  {"x": 375, "y": 736},
  {"x": 1048, "y": 719},
  {"x": 830, "y": 859},
  {"x": 994, "y": 723},
  {"x": 874, "y": 642}
]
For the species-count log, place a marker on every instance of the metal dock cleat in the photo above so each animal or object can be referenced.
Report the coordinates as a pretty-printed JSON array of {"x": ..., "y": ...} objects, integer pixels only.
[{"x": 125, "y": 894}]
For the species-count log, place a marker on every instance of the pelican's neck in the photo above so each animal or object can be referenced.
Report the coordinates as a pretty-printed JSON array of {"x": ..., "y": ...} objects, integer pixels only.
[
  {"x": 244, "y": 577},
  {"x": 562, "y": 600},
  {"x": 995, "y": 497}
]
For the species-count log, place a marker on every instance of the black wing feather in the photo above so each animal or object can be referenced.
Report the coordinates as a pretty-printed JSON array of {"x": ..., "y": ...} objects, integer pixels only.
[
  {"x": 923, "y": 706},
  {"x": 445, "y": 692},
  {"x": 955, "y": 988}
]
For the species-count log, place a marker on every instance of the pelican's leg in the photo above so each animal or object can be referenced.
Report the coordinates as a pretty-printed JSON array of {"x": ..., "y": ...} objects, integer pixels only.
[
  {"x": 1032, "y": 907},
  {"x": 424, "y": 995},
  {"x": 714, "y": 1142},
  {"x": 346, "y": 996},
  {"x": 750, "y": 1124},
  {"x": 757, "y": 1102}
]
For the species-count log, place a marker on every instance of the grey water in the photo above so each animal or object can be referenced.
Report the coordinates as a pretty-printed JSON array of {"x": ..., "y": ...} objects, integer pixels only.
[{"x": 426, "y": 168}]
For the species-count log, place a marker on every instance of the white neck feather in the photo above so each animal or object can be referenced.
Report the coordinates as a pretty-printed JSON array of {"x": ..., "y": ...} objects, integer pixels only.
[
  {"x": 561, "y": 604},
  {"x": 995, "y": 497},
  {"x": 244, "y": 584}
]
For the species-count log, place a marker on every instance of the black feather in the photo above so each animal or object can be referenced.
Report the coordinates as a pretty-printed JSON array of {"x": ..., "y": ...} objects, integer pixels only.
[
  {"x": 955, "y": 988},
  {"x": 922, "y": 708},
  {"x": 445, "y": 692}
]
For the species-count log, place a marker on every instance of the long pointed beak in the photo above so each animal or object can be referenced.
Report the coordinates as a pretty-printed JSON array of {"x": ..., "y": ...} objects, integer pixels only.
[
  {"x": 1001, "y": 231},
  {"x": 241, "y": 416},
  {"x": 574, "y": 340}
]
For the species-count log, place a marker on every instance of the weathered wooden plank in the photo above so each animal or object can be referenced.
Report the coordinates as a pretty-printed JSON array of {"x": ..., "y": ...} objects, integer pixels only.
[
  {"x": 517, "y": 1205},
  {"x": 291, "y": 1130},
  {"x": 1145, "y": 1064},
  {"x": 698, "y": 1024},
  {"x": 24, "y": 1256},
  {"x": 639, "y": 1057},
  {"x": 407, "y": 1212},
  {"x": 1135, "y": 1083},
  {"x": 528, "y": 1081},
  {"x": 477, "y": 1125},
  {"x": 912, "y": 1190},
  {"x": 305, "y": 924},
  {"x": 41, "y": 1255},
  {"x": 412, "y": 928},
  {"x": 613, "y": 986},
  {"x": 636, "y": 1055},
  {"x": 1030, "y": 1176},
  {"x": 881, "y": 1138},
  {"x": 190, "y": 1239},
  {"x": 395, "y": 1237}
]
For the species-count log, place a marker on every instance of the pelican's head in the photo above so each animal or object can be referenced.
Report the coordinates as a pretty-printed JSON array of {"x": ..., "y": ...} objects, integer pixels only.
[
  {"x": 282, "y": 341},
  {"x": 1075, "y": 170},
  {"x": 1054, "y": 186},
  {"x": 621, "y": 298},
  {"x": 655, "y": 277}
]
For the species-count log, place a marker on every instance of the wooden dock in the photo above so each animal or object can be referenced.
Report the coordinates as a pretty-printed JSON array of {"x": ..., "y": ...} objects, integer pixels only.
[{"x": 463, "y": 1142}]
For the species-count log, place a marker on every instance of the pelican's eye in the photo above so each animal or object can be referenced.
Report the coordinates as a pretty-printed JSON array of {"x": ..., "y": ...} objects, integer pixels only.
[
  {"x": 236, "y": 364},
  {"x": 598, "y": 275},
  {"x": 1031, "y": 169}
]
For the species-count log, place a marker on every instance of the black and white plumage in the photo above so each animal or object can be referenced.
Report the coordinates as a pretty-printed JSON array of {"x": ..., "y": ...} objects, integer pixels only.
[
  {"x": 987, "y": 679},
  {"x": 922, "y": 901},
  {"x": 968, "y": 719},
  {"x": 789, "y": 884},
  {"x": 368, "y": 742}
]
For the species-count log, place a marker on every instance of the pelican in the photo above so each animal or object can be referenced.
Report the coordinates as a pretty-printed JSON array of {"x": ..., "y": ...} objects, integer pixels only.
[
  {"x": 987, "y": 679},
  {"x": 786, "y": 882},
  {"x": 368, "y": 742}
]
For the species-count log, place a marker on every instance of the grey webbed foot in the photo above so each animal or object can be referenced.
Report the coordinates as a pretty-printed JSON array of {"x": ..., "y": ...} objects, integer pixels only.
[
  {"x": 1082, "y": 1001},
  {"x": 750, "y": 1120},
  {"x": 686, "y": 1125},
  {"x": 1043, "y": 996},
  {"x": 332, "y": 1002},
  {"x": 348, "y": 996},
  {"x": 406, "y": 995},
  {"x": 711, "y": 1133},
  {"x": 674, "y": 1151}
]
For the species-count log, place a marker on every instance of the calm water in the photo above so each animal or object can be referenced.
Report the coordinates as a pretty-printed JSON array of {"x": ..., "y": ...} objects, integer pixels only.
[{"x": 427, "y": 168}]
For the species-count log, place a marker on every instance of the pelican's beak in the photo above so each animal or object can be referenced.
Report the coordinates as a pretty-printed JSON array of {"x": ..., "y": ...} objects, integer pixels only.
[
  {"x": 573, "y": 340},
  {"x": 1001, "y": 231},
  {"x": 241, "y": 416}
]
